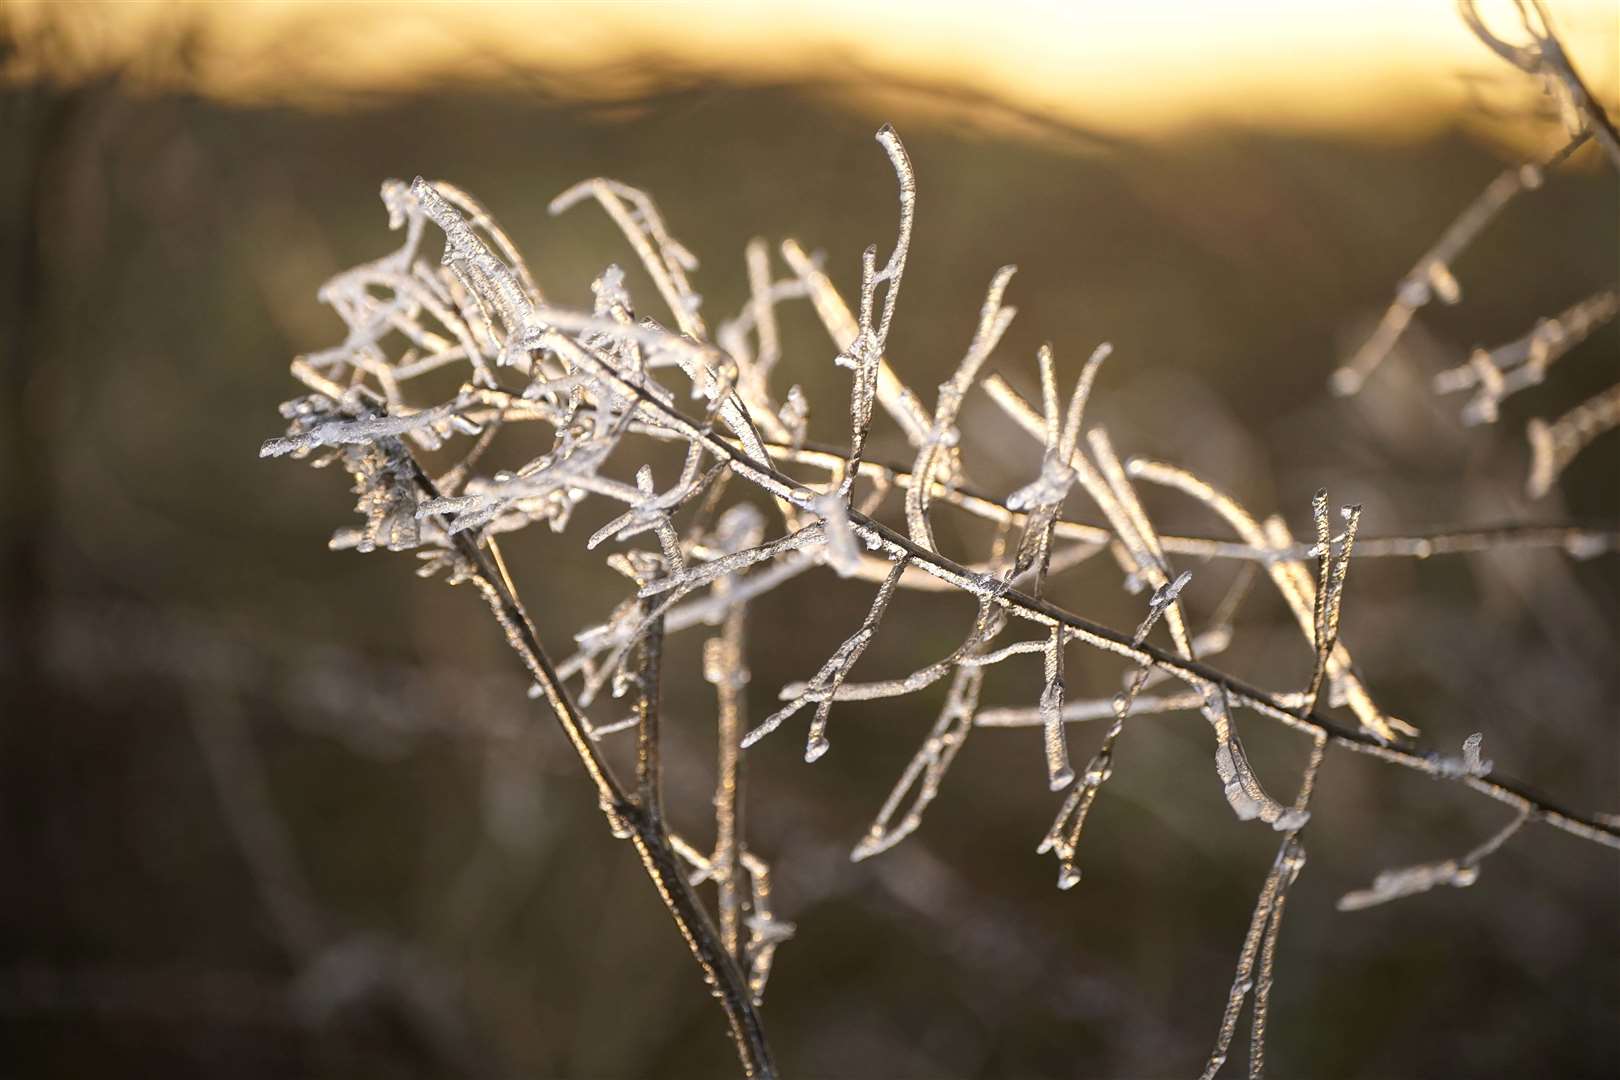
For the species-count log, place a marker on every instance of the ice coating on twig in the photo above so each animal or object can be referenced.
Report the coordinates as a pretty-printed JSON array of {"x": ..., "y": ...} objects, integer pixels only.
[
  {"x": 864, "y": 352},
  {"x": 1291, "y": 579},
  {"x": 1059, "y": 773},
  {"x": 1063, "y": 838},
  {"x": 937, "y": 458},
  {"x": 1407, "y": 881},
  {"x": 843, "y": 551},
  {"x": 1470, "y": 764},
  {"x": 1259, "y": 946},
  {"x": 823, "y": 688},
  {"x": 1083, "y": 711},
  {"x": 900, "y": 403},
  {"x": 1333, "y": 569},
  {"x": 1260, "y": 942},
  {"x": 1241, "y": 787},
  {"x": 923, "y": 774},
  {"x": 694, "y": 577}
]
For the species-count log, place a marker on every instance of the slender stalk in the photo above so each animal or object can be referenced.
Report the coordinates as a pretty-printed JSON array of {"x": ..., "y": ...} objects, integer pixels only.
[
  {"x": 627, "y": 817},
  {"x": 728, "y": 788},
  {"x": 649, "y": 676}
]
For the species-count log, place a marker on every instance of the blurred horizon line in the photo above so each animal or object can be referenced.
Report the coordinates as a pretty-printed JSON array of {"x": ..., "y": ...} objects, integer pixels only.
[{"x": 1381, "y": 69}]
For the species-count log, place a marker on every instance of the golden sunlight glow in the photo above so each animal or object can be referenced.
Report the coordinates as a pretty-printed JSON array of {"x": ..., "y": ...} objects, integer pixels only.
[{"x": 1151, "y": 67}]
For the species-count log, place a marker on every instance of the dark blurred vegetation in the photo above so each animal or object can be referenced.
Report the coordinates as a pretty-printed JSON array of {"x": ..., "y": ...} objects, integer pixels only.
[{"x": 463, "y": 911}]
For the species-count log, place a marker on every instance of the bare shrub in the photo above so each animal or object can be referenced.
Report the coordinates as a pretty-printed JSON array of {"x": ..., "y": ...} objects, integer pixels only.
[{"x": 754, "y": 504}]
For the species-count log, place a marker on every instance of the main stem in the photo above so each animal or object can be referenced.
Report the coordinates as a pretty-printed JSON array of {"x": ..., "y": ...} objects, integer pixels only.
[{"x": 639, "y": 818}]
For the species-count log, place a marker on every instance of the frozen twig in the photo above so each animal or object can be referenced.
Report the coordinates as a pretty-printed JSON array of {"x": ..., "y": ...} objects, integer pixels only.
[
  {"x": 1267, "y": 911},
  {"x": 1329, "y": 585},
  {"x": 1063, "y": 838},
  {"x": 1260, "y": 943},
  {"x": 822, "y": 690},
  {"x": 1411, "y": 880},
  {"x": 938, "y": 456}
]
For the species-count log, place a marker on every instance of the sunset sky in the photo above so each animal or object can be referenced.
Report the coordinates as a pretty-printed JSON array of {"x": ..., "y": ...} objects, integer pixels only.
[{"x": 1152, "y": 68}]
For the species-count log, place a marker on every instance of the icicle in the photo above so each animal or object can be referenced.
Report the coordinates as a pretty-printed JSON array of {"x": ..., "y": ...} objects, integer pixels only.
[
  {"x": 1059, "y": 773},
  {"x": 1241, "y": 787},
  {"x": 842, "y": 551},
  {"x": 1470, "y": 764}
]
